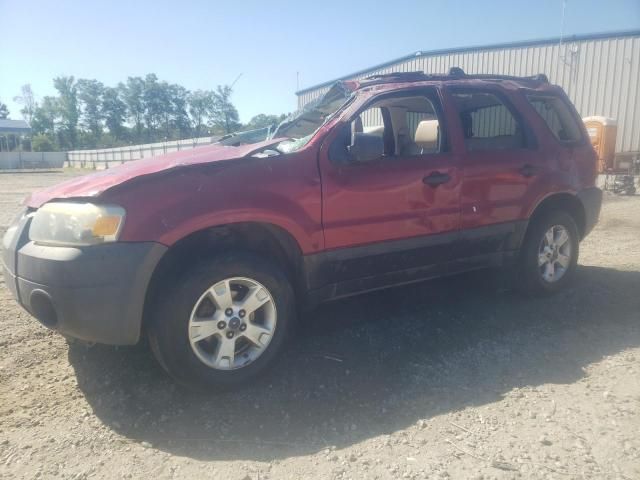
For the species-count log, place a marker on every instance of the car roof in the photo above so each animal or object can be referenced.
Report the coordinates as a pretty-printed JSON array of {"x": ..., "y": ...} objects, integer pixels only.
[{"x": 456, "y": 76}]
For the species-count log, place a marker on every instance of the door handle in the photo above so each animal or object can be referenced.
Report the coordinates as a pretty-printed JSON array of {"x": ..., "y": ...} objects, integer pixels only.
[
  {"x": 436, "y": 178},
  {"x": 528, "y": 170}
]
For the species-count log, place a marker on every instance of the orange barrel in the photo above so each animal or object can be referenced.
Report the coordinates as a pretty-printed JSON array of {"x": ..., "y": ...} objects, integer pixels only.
[{"x": 602, "y": 132}]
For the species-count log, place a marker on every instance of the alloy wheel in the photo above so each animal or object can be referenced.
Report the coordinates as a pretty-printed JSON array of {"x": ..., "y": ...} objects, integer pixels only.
[
  {"x": 554, "y": 254},
  {"x": 232, "y": 323}
]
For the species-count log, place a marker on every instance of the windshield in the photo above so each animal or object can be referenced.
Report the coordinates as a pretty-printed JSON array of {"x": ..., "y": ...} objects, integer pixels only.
[
  {"x": 314, "y": 113},
  {"x": 299, "y": 127},
  {"x": 293, "y": 145}
]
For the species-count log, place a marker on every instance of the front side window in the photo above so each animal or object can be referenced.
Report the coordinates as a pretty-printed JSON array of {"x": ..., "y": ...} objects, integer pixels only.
[
  {"x": 370, "y": 121},
  {"x": 487, "y": 122},
  {"x": 404, "y": 125},
  {"x": 556, "y": 114},
  {"x": 398, "y": 126}
]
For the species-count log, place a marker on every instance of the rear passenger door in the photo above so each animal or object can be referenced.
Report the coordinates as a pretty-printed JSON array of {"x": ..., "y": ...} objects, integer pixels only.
[{"x": 501, "y": 169}]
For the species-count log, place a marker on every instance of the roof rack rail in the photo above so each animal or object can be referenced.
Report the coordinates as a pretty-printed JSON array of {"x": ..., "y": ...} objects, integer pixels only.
[
  {"x": 399, "y": 76},
  {"x": 455, "y": 73},
  {"x": 459, "y": 73}
]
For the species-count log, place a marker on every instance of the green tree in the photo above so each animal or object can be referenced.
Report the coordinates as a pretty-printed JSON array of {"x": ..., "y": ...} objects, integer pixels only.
[
  {"x": 179, "y": 117},
  {"x": 42, "y": 143},
  {"x": 46, "y": 117},
  {"x": 200, "y": 104},
  {"x": 114, "y": 112},
  {"x": 4, "y": 111},
  {"x": 28, "y": 101},
  {"x": 68, "y": 110},
  {"x": 90, "y": 94},
  {"x": 132, "y": 93},
  {"x": 171, "y": 109},
  {"x": 87, "y": 113},
  {"x": 262, "y": 120},
  {"x": 155, "y": 97},
  {"x": 224, "y": 115}
]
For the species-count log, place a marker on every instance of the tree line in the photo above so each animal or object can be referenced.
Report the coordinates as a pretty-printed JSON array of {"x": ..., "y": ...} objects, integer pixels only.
[{"x": 85, "y": 113}]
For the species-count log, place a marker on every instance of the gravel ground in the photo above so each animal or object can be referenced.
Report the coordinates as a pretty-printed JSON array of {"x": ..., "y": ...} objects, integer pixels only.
[{"x": 458, "y": 378}]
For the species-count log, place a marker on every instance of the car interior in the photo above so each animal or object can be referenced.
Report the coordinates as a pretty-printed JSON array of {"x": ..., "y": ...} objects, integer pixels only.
[
  {"x": 487, "y": 123},
  {"x": 409, "y": 126}
]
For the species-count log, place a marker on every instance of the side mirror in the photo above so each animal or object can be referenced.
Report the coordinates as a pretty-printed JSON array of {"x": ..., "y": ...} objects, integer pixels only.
[{"x": 366, "y": 147}]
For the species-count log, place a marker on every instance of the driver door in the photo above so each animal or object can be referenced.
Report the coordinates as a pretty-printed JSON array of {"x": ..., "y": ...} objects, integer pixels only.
[{"x": 401, "y": 211}]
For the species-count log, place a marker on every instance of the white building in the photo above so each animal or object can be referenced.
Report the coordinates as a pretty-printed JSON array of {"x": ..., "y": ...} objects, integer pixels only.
[{"x": 599, "y": 72}]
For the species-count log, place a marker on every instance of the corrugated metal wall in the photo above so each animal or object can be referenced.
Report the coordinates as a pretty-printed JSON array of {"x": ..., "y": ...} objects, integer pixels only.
[{"x": 600, "y": 75}]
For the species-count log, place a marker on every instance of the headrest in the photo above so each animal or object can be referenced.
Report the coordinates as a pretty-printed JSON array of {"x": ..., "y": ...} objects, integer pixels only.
[
  {"x": 427, "y": 134},
  {"x": 375, "y": 130}
]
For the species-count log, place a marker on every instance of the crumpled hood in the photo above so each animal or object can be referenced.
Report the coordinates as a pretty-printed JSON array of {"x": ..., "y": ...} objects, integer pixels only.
[{"x": 96, "y": 183}]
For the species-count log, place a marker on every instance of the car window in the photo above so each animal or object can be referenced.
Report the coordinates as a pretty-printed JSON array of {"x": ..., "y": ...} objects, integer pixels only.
[
  {"x": 487, "y": 122},
  {"x": 408, "y": 124},
  {"x": 369, "y": 121},
  {"x": 556, "y": 114}
]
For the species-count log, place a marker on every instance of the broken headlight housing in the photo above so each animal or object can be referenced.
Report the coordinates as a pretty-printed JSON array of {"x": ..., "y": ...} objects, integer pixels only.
[{"x": 13, "y": 227}]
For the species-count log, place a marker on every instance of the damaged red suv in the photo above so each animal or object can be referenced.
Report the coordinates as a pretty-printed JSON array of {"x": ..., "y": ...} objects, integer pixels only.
[{"x": 389, "y": 180}]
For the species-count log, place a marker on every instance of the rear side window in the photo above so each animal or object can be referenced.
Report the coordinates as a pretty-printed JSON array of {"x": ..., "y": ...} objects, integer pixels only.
[
  {"x": 556, "y": 114},
  {"x": 487, "y": 122}
]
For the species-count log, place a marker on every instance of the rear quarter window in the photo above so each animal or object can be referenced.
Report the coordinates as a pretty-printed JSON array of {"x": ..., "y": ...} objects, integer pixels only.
[{"x": 558, "y": 116}]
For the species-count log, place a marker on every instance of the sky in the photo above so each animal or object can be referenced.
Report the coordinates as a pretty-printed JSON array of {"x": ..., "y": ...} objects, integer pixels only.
[{"x": 276, "y": 46}]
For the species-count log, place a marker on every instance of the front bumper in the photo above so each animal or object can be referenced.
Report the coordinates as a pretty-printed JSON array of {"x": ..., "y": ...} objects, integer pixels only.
[
  {"x": 591, "y": 199},
  {"x": 92, "y": 293}
]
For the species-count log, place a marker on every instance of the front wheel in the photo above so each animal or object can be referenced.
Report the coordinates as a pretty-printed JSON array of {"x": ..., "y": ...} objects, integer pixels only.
[
  {"x": 549, "y": 254},
  {"x": 222, "y": 323}
]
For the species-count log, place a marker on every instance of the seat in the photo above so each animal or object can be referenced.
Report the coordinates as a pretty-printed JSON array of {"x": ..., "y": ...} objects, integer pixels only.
[
  {"x": 406, "y": 146},
  {"x": 427, "y": 136}
]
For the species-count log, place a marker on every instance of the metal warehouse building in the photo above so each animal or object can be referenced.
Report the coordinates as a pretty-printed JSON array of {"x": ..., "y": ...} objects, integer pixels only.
[{"x": 599, "y": 72}]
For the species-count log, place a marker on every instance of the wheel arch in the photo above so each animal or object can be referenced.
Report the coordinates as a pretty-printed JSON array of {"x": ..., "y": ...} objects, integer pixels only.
[
  {"x": 563, "y": 201},
  {"x": 257, "y": 237}
]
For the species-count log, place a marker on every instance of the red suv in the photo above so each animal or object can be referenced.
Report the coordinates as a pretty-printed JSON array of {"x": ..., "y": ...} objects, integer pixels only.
[{"x": 390, "y": 180}]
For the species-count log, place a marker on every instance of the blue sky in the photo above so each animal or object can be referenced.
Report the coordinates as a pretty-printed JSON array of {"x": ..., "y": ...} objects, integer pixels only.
[{"x": 200, "y": 44}]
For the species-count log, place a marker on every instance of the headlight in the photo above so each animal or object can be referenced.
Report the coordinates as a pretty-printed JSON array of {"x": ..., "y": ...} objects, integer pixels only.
[{"x": 76, "y": 224}]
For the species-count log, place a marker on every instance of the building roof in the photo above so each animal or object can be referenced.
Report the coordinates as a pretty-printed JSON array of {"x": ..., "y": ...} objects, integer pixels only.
[
  {"x": 494, "y": 46},
  {"x": 14, "y": 126}
]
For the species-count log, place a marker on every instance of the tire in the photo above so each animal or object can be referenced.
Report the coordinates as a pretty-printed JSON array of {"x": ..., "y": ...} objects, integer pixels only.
[
  {"x": 183, "y": 349},
  {"x": 533, "y": 277}
]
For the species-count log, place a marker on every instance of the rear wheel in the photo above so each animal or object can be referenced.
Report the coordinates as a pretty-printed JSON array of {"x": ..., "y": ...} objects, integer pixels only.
[
  {"x": 222, "y": 323},
  {"x": 549, "y": 255}
]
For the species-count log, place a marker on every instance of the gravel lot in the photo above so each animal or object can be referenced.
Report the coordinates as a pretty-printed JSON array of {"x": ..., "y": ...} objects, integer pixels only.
[{"x": 459, "y": 378}]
